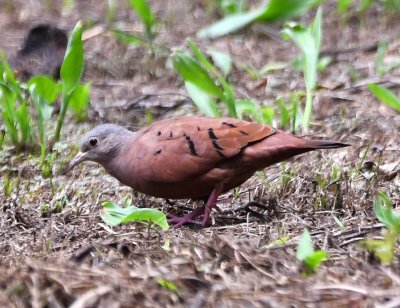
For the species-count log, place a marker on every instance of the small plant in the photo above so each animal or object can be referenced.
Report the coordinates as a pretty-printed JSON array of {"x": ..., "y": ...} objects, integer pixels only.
[
  {"x": 384, "y": 248},
  {"x": 309, "y": 41},
  {"x": 207, "y": 85},
  {"x": 146, "y": 16},
  {"x": 230, "y": 7},
  {"x": 274, "y": 10},
  {"x": 169, "y": 285},
  {"x": 385, "y": 96},
  {"x": 311, "y": 259},
  {"x": 26, "y": 109},
  {"x": 114, "y": 215}
]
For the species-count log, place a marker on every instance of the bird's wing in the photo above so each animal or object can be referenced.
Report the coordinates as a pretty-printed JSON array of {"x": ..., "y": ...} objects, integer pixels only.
[{"x": 173, "y": 150}]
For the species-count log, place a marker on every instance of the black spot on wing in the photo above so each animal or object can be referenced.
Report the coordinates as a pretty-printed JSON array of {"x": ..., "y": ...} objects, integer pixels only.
[
  {"x": 171, "y": 135},
  {"x": 229, "y": 124},
  {"x": 243, "y": 133},
  {"x": 198, "y": 128},
  {"x": 192, "y": 148},
  {"x": 211, "y": 134},
  {"x": 216, "y": 145},
  {"x": 220, "y": 154},
  {"x": 159, "y": 133},
  {"x": 157, "y": 152}
]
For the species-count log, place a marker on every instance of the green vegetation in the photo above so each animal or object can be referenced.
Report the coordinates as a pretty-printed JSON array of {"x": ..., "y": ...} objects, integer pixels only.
[
  {"x": 26, "y": 109},
  {"x": 384, "y": 248},
  {"x": 274, "y": 10},
  {"x": 309, "y": 41},
  {"x": 146, "y": 16},
  {"x": 114, "y": 215},
  {"x": 311, "y": 259},
  {"x": 385, "y": 96}
]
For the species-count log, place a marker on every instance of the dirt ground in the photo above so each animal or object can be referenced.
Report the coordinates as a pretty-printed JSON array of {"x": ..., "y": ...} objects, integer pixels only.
[{"x": 67, "y": 256}]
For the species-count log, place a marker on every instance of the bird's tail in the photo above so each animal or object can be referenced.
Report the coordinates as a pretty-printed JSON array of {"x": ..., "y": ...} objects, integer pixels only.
[{"x": 281, "y": 146}]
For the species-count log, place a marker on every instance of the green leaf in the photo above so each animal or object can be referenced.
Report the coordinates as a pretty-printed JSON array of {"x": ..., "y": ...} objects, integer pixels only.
[
  {"x": 168, "y": 284},
  {"x": 72, "y": 67},
  {"x": 230, "y": 24},
  {"x": 8, "y": 109},
  {"x": 79, "y": 101},
  {"x": 274, "y": 10},
  {"x": 343, "y": 5},
  {"x": 24, "y": 123},
  {"x": 250, "y": 107},
  {"x": 192, "y": 72},
  {"x": 385, "y": 213},
  {"x": 304, "y": 248},
  {"x": 285, "y": 115},
  {"x": 46, "y": 87},
  {"x": 115, "y": 215},
  {"x": 204, "y": 101},
  {"x": 144, "y": 12},
  {"x": 268, "y": 115},
  {"x": 313, "y": 261},
  {"x": 126, "y": 38},
  {"x": 385, "y": 96},
  {"x": 308, "y": 40},
  {"x": 274, "y": 66},
  {"x": 222, "y": 60},
  {"x": 43, "y": 112},
  {"x": 384, "y": 249},
  {"x": 278, "y": 10}
]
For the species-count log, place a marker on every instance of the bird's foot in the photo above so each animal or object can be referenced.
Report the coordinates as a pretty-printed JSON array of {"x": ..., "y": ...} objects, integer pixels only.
[{"x": 178, "y": 222}]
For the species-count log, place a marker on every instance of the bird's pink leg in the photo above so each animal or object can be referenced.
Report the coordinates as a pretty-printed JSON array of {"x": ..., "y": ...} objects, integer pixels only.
[
  {"x": 211, "y": 203},
  {"x": 188, "y": 218}
]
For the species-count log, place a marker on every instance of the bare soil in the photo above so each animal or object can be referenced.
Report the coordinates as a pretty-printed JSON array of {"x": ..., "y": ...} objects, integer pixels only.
[{"x": 55, "y": 251}]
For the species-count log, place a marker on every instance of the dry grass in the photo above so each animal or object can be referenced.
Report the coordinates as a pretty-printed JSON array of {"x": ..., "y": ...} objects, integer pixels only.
[{"x": 65, "y": 255}]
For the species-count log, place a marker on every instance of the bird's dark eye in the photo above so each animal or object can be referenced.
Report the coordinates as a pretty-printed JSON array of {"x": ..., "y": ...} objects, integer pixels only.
[{"x": 93, "y": 142}]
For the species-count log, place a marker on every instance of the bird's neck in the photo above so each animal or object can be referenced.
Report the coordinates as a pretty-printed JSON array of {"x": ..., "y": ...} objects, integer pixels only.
[{"x": 119, "y": 165}]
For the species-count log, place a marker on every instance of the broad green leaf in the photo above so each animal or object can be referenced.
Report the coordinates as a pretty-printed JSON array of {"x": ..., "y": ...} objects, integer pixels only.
[
  {"x": 385, "y": 96},
  {"x": 384, "y": 249},
  {"x": 343, "y": 5},
  {"x": 285, "y": 115},
  {"x": 385, "y": 213},
  {"x": 278, "y": 10},
  {"x": 72, "y": 67},
  {"x": 204, "y": 101},
  {"x": 274, "y": 10},
  {"x": 250, "y": 107},
  {"x": 8, "y": 110},
  {"x": 126, "y": 38},
  {"x": 315, "y": 259},
  {"x": 308, "y": 40},
  {"x": 274, "y": 66},
  {"x": 79, "y": 101},
  {"x": 230, "y": 24},
  {"x": 268, "y": 115},
  {"x": 192, "y": 72},
  {"x": 144, "y": 12},
  {"x": 223, "y": 60},
  {"x": 46, "y": 87},
  {"x": 43, "y": 112},
  {"x": 24, "y": 123},
  {"x": 305, "y": 247},
  {"x": 115, "y": 215}
]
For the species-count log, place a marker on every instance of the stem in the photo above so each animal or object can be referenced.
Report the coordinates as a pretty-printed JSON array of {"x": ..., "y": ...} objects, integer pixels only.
[
  {"x": 308, "y": 109},
  {"x": 61, "y": 116}
]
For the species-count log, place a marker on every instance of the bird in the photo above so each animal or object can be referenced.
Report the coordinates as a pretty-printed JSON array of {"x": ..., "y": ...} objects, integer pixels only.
[{"x": 191, "y": 157}]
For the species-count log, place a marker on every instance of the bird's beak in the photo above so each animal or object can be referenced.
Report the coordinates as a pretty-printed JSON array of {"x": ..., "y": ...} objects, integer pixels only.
[{"x": 80, "y": 157}]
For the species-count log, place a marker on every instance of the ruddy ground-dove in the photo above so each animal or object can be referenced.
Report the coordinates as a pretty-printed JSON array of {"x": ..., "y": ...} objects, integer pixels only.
[{"x": 191, "y": 157}]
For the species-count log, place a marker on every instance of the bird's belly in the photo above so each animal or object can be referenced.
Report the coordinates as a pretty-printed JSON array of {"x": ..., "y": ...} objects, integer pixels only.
[{"x": 196, "y": 188}]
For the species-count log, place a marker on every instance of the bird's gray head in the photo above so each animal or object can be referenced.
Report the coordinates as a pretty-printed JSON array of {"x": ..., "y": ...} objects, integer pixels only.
[{"x": 101, "y": 144}]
